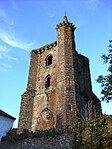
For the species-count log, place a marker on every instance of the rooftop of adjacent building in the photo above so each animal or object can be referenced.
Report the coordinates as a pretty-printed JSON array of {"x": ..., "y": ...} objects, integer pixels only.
[{"x": 2, "y": 113}]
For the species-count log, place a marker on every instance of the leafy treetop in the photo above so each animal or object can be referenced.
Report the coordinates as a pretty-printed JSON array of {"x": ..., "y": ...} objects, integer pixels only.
[{"x": 106, "y": 81}]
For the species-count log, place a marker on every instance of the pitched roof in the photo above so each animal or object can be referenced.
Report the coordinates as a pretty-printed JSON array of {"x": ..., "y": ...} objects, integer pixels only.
[{"x": 2, "y": 113}]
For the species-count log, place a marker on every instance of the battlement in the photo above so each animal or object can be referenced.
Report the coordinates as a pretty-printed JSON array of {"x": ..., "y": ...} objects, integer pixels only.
[
  {"x": 65, "y": 23},
  {"x": 44, "y": 48}
]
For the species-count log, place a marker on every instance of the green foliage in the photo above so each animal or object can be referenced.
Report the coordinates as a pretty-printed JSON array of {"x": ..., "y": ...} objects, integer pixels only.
[
  {"x": 92, "y": 134},
  {"x": 99, "y": 137},
  {"x": 98, "y": 130},
  {"x": 106, "y": 81},
  {"x": 76, "y": 132}
]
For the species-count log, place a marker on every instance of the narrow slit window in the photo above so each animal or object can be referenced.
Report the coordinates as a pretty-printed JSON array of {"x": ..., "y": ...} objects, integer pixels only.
[
  {"x": 47, "y": 81},
  {"x": 70, "y": 107}
]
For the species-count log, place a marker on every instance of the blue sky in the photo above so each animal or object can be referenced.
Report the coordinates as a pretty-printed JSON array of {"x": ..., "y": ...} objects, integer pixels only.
[{"x": 29, "y": 24}]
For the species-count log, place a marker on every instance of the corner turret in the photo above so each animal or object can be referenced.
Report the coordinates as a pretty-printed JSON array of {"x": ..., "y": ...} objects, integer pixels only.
[{"x": 65, "y": 19}]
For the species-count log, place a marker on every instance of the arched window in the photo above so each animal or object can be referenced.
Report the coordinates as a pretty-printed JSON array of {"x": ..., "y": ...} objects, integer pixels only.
[
  {"x": 47, "y": 81},
  {"x": 48, "y": 60}
]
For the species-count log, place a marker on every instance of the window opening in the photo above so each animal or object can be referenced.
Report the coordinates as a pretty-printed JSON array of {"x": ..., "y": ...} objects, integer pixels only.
[
  {"x": 48, "y": 60},
  {"x": 70, "y": 108},
  {"x": 47, "y": 81}
]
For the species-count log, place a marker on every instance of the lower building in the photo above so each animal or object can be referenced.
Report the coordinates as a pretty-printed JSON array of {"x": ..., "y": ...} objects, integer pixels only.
[{"x": 6, "y": 123}]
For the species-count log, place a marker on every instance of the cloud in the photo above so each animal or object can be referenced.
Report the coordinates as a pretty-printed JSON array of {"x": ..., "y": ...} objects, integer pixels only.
[
  {"x": 6, "y": 58},
  {"x": 51, "y": 15},
  {"x": 14, "y": 4},
  {"x": 88, "y": 4},
  {"x": 5, "y": 67},
  {"x": 5, "y": 18},
  {"x": 92, "y": 4},
  {"x": 4, "y": 54},
  {"x": 11, "y": 58},
  {"x": 11, "y": 41},
  {"x": 3, "y": 49}
]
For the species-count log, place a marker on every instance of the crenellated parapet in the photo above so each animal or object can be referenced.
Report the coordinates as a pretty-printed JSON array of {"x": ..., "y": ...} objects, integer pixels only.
[
  {"x": 44, "y": 48},
  {"x": 65, "y": 23}
]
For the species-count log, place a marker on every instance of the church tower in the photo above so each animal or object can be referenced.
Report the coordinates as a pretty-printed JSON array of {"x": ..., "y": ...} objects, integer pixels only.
[{"x": 59, "y": 88}]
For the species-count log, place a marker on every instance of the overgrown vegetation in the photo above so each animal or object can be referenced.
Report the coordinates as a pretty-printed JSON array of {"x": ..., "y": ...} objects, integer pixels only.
[
  {"x": 91, "y": 134},
  {"x": 99, "y": 136}
]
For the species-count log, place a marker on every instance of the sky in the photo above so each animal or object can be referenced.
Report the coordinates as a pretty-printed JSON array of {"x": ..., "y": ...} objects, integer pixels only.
[{"x": 30, "y": 24}]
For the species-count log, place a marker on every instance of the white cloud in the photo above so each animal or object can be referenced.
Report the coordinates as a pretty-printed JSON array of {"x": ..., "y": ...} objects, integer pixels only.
[
  {"x": 5, "y": 55},
  {"x": 88, "y": 4},
  {"x": 92, "y": 4},
  {"x": 3, "y": 49},
  {"x": 5, "y": 67},
  {"x": 11, "y": 41},
  {"x": 11, "y": 58},
  {"x": 51, "y": 15},
  {"x": 0, "y": 56},
  {"x": 6, "y": 58},
  {"x": 5, "y": 18},
  {"x": 14, "y": 4}
]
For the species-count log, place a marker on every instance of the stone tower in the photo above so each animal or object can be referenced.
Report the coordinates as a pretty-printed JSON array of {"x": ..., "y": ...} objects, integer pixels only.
[{"x": 59, "y": 90}]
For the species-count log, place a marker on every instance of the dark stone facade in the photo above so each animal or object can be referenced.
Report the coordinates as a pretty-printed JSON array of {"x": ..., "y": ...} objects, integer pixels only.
[
  {"x": 59, "y": 90},
  {"x": 48, "y": 139},
  {"x": 62, "y": 142}
]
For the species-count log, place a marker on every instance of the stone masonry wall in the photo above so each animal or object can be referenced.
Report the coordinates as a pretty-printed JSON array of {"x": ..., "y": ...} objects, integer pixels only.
[
  {"x": 39, "y": 140},
  {"x": 45, "y": 99},
  {"x": 69, "y": 96},
  {"x": 62, "y": 142},
  {"x": 26, "y": 109},
  {"x": 66, "y": 81}
]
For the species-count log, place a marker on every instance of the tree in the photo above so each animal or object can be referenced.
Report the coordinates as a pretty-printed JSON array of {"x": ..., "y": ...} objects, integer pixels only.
[{"x": 106, "y": 81}]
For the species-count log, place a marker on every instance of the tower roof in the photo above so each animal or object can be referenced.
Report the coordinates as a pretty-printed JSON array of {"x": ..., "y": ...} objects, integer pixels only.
[
  {"x": 65, "y": 19},
  {"x": 65, "y": 22}
]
